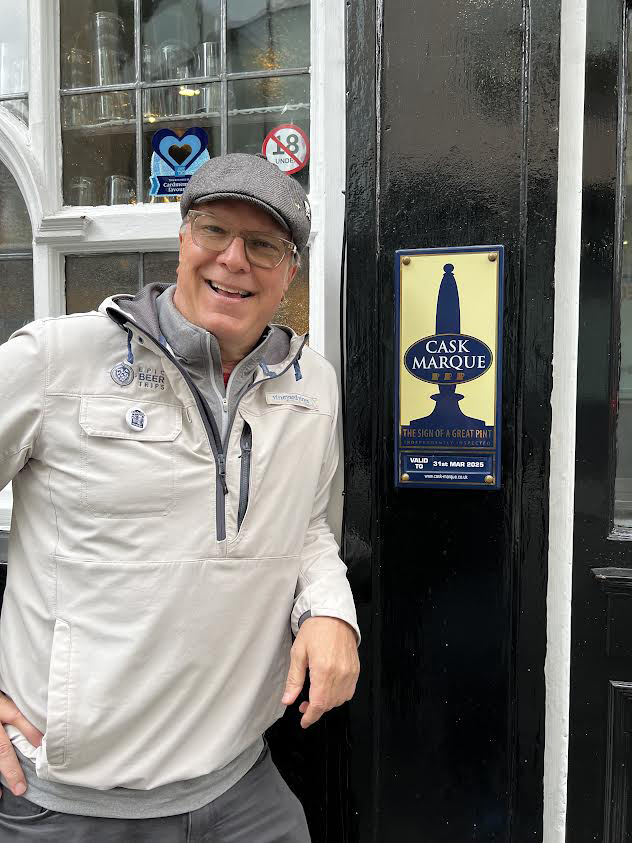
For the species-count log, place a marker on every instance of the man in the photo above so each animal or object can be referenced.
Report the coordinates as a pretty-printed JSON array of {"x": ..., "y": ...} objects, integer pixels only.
[{"x": 171, "y": 457}]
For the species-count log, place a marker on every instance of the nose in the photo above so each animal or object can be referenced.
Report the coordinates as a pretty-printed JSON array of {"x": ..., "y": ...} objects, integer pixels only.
[{"x": 234, "y": 256}]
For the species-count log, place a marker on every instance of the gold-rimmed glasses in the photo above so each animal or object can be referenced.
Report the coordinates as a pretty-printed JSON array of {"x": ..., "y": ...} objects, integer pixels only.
[{"x": 262, "y": 249}]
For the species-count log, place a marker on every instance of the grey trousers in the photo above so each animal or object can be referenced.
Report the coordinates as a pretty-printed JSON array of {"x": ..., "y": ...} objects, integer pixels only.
[{"x": 260, "y": 808}]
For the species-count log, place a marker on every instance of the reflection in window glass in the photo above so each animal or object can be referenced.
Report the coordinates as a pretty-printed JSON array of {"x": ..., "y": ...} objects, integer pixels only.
[
  {"x": 97, "y": 42},
  {"x": 19, "y": 108},
  {"x": 14, "y": 71},
  {"x": 267, "y": 34},
  {"x": 13, "y": 48},
  {"x": 294, "y": 309},
  {"x": 181, "y": 39},
  {"x": 16, "y": 263},
  {"x": 160, "y": 267},
  {"x": 99, "y": 143},
  {"x": 92, "y": 278},
  {"x": 623, "y": 480},
  {"x": 261, "y": 105},
  {"x": 177, "y": 41},
  {"x": 15, "y": 225},
  {"x": 16, "y": 286}
]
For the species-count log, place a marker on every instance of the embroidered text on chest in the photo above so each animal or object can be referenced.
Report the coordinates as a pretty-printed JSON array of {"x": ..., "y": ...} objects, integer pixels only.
[
  {"x": 292, "y": 398},
  {"x": 150, "y": 378}
]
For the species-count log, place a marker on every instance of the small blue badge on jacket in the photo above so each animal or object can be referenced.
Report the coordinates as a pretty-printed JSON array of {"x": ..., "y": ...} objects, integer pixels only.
[{"x": 122, "y": 374}]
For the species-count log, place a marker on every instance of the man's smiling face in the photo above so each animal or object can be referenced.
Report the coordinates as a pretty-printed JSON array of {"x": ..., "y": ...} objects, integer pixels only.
[{"x": 224, "y": 293}]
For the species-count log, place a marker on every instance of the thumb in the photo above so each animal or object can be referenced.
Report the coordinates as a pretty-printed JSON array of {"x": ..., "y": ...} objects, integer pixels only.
[{"x": 295, "y": 676}]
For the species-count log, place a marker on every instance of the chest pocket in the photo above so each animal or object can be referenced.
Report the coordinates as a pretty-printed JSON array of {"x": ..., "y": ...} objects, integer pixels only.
[{"x": 128, "y": 456}]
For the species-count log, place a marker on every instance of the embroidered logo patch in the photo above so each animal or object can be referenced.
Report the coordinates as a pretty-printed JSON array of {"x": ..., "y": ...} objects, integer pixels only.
[
  {"x": 296, "y": 398},
  {"x": 136, "y": 418},
  {"x": 122, "y": 374}
]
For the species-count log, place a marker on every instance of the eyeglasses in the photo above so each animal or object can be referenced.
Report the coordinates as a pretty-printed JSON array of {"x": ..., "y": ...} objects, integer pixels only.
[{"x": 262, "y": 249}]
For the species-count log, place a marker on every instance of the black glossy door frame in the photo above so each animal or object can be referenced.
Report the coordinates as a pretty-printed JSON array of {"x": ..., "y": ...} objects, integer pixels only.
[
  {"x": 601, "y": 658},
  {"x": 451, "y": 140}
]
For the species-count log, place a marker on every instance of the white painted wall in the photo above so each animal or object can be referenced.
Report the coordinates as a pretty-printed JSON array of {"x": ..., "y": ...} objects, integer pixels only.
[{"x": 563, "y": 398}]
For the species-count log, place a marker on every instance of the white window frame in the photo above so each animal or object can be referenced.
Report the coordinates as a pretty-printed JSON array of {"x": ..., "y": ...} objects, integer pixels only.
[{"x": 33, "y": 154}]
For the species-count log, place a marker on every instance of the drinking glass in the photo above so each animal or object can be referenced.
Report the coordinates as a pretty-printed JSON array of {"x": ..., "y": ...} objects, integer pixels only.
[{"x": 119, "y": 190}]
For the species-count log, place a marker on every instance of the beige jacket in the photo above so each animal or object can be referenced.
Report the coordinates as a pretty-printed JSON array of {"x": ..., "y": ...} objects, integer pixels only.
[{"x": 146, "y": 620}]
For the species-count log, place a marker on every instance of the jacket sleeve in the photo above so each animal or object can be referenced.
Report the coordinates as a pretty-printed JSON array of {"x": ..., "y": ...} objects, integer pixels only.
[
  {"x": 323, "y": 588},
  {"x": 22, "y": 387}
]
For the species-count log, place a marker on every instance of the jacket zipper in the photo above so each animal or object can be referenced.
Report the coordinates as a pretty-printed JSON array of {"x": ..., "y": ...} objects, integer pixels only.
[
  {"x": 214, "y": 438},
  {"x": 244, "y": 474}
]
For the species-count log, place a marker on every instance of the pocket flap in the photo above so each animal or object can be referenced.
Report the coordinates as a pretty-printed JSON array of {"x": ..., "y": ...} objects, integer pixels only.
[{"x": 119, "y": 418}]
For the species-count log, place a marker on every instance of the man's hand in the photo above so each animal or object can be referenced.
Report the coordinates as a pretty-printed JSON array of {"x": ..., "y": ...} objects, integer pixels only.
[
  {"x": 328, "y": 647},
  {"x": 9, "y": 765}
]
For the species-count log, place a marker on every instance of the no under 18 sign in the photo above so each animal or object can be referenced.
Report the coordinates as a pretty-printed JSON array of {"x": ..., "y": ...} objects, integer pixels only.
[{"x": 287, "y": 146}]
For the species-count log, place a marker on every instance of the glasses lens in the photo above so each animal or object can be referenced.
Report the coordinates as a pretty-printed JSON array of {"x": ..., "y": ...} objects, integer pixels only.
[
  {"x": 210, "y": 234},
  {"x": 265, "y": 251}
]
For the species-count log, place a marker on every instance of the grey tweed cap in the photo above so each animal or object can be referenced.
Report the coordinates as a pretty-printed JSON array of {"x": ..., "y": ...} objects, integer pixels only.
[{"x": 253, "y": 179}]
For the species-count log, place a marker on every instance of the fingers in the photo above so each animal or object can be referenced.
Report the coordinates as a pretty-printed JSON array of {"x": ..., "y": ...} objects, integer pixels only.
[
  {"x": 29, "y": 731},
  {"x": 331, "y": 686},
  {"x": 9, "y": 766},
  {"x": 296, "y": 674}
]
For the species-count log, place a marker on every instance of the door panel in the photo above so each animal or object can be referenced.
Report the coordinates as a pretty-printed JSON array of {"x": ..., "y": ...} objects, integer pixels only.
[
  {"x": 601, "y": 656},
  {"x": 447, "y": 727}
]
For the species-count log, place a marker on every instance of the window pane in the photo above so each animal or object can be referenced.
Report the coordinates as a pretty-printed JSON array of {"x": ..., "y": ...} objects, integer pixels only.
[
  {"x": 261, "y": 105},
  {"x": 15, "y": 225},
  {"x": 97, "y": 42},
  {"x": 20, "y": 108},
  {"x": 160, "y": 267},
  {"x": 13, "y": 48},
  {"x": 92, "y": 278},
  {"x": 294, "y": 309},
  {"x": 16, "y": 288},
  {"x": 181, "y": 39},
  {"x": 98, "y": 137},
  {"x": 267, "y": 34},
  {"x": 179, "y": 109}
]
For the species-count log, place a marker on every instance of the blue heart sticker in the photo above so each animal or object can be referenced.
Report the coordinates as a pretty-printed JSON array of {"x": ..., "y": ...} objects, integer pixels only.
[{"x": 165, "y": 139}]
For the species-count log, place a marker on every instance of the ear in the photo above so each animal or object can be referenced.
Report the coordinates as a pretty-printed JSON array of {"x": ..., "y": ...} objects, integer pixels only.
[{"x": 291, "y": 275}]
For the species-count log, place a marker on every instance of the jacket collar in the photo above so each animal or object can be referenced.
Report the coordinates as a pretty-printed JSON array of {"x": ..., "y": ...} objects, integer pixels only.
[{"x": 280, "y": 344}]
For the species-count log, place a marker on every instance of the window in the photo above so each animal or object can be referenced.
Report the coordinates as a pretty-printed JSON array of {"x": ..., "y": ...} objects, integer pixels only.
[
  {"x": 263, "y": 63},
  {"x": 14, "y": 58},
  {"x": 16, "y": 283},
  {"x": 91, "y": 278},
  {"x": 236, "y": 69}
]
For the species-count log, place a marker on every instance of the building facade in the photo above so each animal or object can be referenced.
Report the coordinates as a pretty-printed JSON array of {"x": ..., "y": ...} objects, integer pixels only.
[{"x": 494, "y": 698}]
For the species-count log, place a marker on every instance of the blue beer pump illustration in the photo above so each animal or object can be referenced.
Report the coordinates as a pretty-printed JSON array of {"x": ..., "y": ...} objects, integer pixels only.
[{"x": 448, "y": 358}]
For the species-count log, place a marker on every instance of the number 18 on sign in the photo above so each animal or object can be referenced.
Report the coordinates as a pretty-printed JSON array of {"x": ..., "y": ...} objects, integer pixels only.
[{"x": 287, "y": 146}]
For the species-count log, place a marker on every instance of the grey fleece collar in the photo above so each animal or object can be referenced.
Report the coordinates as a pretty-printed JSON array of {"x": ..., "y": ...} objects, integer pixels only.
[
  {"x": 143, "y": 310},
  {"x": 191, "y": 343}
]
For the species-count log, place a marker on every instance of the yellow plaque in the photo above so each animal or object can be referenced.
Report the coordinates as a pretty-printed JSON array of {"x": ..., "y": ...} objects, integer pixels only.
[{"x": 448, "y": 379}]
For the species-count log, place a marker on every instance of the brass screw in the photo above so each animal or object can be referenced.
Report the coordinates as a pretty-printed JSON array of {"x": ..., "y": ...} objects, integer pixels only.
[
  {"x": 492, "y": 256},
  {"x": 406, "y": 261},
  {"x": 489, "y": 479},
  {"x": 405, "y": 477}
]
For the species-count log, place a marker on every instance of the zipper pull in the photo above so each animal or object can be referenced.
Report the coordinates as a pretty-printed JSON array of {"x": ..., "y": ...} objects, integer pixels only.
[{"x": 222, "y": 472}]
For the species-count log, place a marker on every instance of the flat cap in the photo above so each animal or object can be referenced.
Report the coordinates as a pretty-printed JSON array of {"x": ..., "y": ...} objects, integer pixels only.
[{"x": 253, "y": 179}]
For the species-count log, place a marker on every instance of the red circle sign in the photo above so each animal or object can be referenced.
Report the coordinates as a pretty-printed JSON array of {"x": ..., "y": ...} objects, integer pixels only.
[{"x": 287, "y": 146}]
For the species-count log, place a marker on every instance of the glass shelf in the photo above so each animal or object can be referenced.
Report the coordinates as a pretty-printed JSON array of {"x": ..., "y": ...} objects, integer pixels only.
[{"x": 241, "y": 116}]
